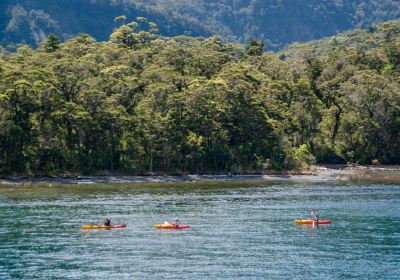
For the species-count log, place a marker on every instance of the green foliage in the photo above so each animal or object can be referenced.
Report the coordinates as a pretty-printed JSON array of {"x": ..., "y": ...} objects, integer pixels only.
[
  {"x": 52, "y": 43},
  {"x": 255, "y": 47},
  {"x": 134, "y": 34},
  {"x": 299, "y": 158},
  {"x": 357, "y": 81},
  {"x": 143, "y": 104},
  {"x": 393, "y": 53}
]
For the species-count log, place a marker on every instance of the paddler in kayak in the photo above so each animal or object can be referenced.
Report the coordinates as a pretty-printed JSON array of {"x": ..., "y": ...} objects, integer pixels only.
[
  {"x": 314, "y": 216},
  {"x": 176, "y": 222},
  {"x": 107, "y": 221}
]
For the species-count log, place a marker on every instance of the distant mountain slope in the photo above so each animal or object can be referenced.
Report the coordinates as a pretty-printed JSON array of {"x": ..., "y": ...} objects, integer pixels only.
[
  {"x": 277, "y": 22},
  {"x": 30, "y": 21},
  {"x": 361, "y": 39}
]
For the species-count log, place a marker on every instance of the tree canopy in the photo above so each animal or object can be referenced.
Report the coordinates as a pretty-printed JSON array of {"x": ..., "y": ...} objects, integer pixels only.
[{"x": 142, "y": 103}]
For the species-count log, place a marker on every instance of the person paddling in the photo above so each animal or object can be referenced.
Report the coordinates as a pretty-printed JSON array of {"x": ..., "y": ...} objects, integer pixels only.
[
  {"x": 176, "y": 222},
  {"x": 107, "y": 221},
  {"x": 314, "y": 216}
]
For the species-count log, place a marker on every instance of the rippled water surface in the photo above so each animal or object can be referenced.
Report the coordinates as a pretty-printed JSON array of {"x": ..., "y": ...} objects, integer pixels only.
[{"x": 238, "y": 232}]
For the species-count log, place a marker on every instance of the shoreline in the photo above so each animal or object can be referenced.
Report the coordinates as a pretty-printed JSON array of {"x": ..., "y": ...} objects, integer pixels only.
[{"x": 321, "y": 173}]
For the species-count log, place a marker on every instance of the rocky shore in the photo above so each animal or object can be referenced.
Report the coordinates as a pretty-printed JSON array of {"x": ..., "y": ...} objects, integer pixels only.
[{"x": 322, "y": 173}]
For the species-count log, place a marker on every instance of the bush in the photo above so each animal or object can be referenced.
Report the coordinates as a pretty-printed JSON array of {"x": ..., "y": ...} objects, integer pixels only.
[{"x": 299, "y": 158}]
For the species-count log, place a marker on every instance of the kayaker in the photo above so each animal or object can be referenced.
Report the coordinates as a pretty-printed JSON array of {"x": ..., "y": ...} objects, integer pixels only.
[
  {"x": 314, "y": 216},
  {"x": 176, "y": 222},
  {"x": 107, "y": 221}
]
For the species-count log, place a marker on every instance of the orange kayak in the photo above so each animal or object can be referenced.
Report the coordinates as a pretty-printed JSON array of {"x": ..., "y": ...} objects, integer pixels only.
[
  {"x": 102, "y": 226},
  {"x": 310, "y": 222},
  {"x": 170, "y": 226}
]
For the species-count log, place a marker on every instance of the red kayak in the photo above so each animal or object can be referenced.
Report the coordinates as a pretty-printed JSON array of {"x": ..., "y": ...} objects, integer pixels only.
[
  {"x": 310, "y": 222},
  {"x": 102, "y": 226},
  {"x": 170, "y": 226}
]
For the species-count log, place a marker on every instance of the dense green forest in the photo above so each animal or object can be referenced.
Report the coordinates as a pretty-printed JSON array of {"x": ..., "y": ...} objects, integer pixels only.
[
  {"x": 276, "y": 22},
  {"x": 140, "y": 103}
]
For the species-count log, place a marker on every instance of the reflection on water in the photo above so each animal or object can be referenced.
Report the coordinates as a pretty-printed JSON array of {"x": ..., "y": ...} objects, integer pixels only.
[{"x": 238, "y": 232}]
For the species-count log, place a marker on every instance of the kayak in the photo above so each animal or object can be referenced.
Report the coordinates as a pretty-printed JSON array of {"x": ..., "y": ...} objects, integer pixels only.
[
  {"x": 170, "y": 226},
  {"x": 102, "y": 226},
  {"x": 310, "y": 222}
]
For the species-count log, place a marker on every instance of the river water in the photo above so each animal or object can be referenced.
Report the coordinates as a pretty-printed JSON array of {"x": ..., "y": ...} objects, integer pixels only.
[{"x": 238, "y": 232}]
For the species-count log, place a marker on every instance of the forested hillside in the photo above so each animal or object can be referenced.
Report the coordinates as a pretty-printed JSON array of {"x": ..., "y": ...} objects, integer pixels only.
[
  {"x": 141, "y": 103},
  {"x": 276, "y": 22}
]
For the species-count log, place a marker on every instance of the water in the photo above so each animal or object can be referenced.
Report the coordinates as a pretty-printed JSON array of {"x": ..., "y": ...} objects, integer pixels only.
[{"x": 238, "y": 232}]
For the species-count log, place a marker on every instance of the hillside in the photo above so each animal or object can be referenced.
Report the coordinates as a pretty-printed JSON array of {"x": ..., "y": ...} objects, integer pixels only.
[
  {"x": 276, "y": 22},
  {"x": 140, "y": 103},
  {"x": 367, "y": 40}
]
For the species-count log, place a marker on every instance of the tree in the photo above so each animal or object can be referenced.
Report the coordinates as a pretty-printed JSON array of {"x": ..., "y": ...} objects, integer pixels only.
[
  {"x": 52, "y": 43},
  {"x": 135, "y": 34},
  {"x": 255, "y": 47},
  {"x": 393, "y": 54}
]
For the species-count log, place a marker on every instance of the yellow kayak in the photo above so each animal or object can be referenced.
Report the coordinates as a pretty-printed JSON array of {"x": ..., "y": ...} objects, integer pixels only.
[{"x": 167, "y": 225}]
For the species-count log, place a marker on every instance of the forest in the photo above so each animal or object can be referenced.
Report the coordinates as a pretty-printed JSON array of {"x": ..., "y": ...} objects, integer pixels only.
[{"x": 141, "y": 103}]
